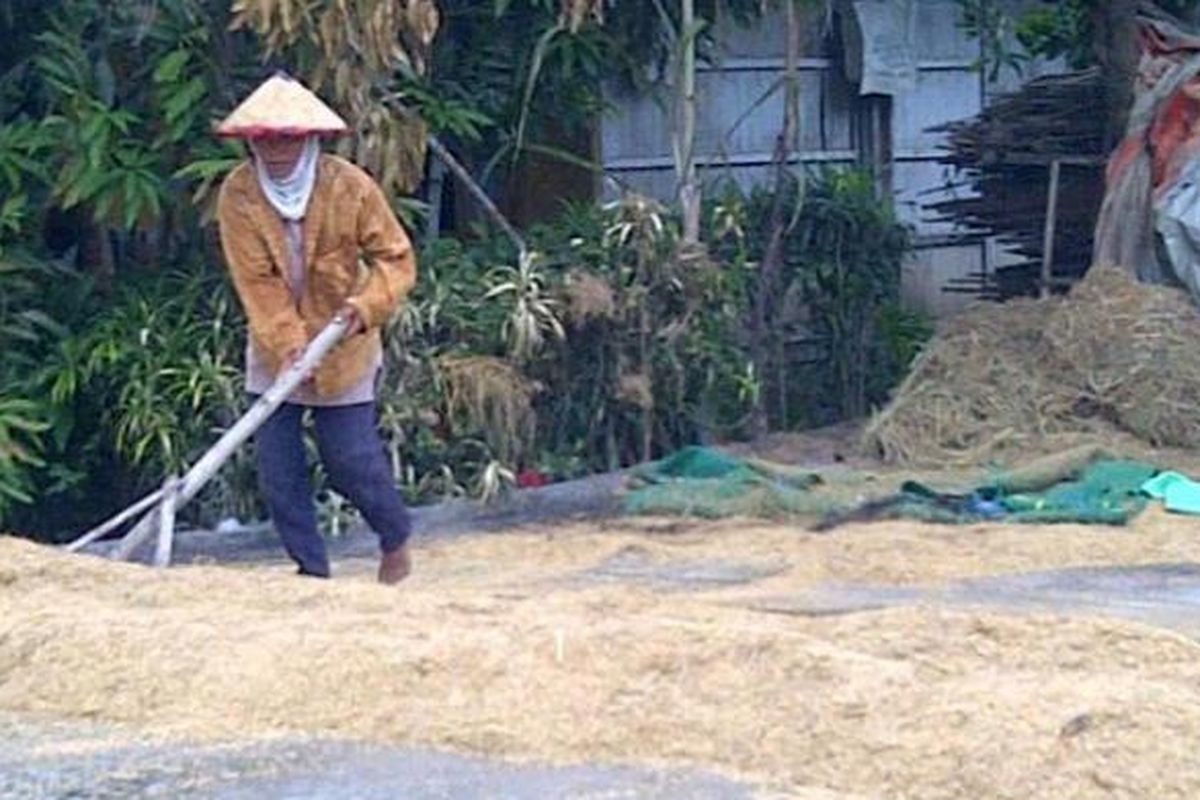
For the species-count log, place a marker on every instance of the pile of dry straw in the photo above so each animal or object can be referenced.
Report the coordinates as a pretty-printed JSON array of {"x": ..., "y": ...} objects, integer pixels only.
[
  {"x": 509, "y": 646},
  {"x": 1115, "y": 362}
]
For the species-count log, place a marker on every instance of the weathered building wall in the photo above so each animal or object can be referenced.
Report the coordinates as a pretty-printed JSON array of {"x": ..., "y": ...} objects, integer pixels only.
[{"x": 738, "y": 131}]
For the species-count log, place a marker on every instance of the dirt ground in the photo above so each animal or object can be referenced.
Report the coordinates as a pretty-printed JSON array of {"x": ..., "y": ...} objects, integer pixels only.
[{"x": 532, "y": 646}]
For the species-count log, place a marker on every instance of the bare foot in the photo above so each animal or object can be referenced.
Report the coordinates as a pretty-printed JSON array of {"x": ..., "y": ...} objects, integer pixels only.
[{"x": 395, "y": 566}]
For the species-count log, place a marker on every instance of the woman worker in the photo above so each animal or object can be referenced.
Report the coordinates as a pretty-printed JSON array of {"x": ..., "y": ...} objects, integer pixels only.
[{"x": 307, "y": 236}]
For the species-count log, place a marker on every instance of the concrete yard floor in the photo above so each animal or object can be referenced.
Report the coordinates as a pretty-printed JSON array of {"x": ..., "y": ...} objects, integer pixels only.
[
  {"x": 649, "y": 658},
  {"x": 49, "y": 759}
]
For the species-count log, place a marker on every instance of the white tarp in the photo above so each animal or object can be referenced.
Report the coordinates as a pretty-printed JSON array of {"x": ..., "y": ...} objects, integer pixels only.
[
  {"x": 881, "y": 50},
  {"x": 1177, "y": 220}
]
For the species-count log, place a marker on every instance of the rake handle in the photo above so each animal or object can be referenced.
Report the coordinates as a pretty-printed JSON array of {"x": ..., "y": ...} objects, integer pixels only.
[{"x": 208, "y": 465}]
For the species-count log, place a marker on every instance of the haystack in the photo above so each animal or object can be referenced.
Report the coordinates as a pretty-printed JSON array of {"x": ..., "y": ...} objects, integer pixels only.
[
  {"x": 1112, "y": 363},
  {"x": 1132, "y": 350}
]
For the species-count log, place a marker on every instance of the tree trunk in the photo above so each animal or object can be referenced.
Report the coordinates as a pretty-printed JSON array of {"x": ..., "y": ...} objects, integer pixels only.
[
  {"x": 96, "y": 255},
  {"x": 772, "y": 263},
  {"x": 689, "y": 188},
  {"x": 1116, "y": 50}
]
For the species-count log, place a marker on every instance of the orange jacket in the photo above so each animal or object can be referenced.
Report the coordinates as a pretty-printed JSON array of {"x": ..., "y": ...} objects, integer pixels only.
[{"x": 355, "y": 252}]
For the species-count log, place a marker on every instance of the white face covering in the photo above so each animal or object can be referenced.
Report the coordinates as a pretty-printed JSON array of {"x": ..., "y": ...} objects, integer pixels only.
[{"x": 289, "y": 196}]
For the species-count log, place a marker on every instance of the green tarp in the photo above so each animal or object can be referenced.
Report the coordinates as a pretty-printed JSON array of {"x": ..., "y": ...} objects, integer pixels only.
[
  {"x": 704, "y": 482},
  {"x": 1108, "y": 492}
]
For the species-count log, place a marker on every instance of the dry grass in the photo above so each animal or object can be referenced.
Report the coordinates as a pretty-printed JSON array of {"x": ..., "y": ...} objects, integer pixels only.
[
  {"x": 1130, "y": 351},
  {"x": 636, "y": 388},
  {"x": 1114, "y": 363},
  {"x": 494, "y": 647},
  {"x": 589, "y": 296},
  {"x": 494, "y": 397}
]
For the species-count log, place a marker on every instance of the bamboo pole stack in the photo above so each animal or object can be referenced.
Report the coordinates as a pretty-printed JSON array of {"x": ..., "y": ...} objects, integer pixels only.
[{"x": 1004, "y": 158}]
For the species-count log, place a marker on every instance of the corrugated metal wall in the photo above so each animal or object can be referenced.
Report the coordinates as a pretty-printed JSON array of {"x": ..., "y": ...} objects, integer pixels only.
[
  {"x": 736, "y": 130},
  {"x": 737, "y": 133},
  {"x": 948, "y": 88}
]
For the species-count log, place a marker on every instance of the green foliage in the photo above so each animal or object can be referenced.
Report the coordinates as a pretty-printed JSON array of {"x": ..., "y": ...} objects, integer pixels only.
[
  {"x": 26, "y": 332},
  {"x": 440, "y": 318},
  {"x": 993, "y": 27},
  {"x": 108, "y": 164},
  {"x": 652, "y": 358},
  {"x": 902, "y": 335},
  {"x": 608, "y": 343},
  {"x": 1064, "y": 30},
  {"x": 23, "y": 146},
  {"x": 136, "y": 391},
  {"x": 164, "y": 362},
  {"x": 456, "y": 408},
  {"x": 514, "y": 78},
  {"x": 160, "y": 368},
  {"x": 634, "y": 351},
  {"x": 846, "y": 249},
  {"x": 532, "y": 316},
  {"x": 20, "y": 434},
  {"x": 834, "y": 357},
  {"x": 110, "y": 104},
  {"x": 103, "y": 107}
]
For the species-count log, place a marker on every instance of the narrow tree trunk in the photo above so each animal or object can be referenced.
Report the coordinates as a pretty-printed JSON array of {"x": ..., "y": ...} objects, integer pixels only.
[
  {"x": 437, "y": 182},
  {"x": 1117, "y": 53},
  {"x": 689, "y": 188},
  {"x": 647, "y": 402},
  {"x": 772, "y": 263},
  {"x": 96, "y": 255}
]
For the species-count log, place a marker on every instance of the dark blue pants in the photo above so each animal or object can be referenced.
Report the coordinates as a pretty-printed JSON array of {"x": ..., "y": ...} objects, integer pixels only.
[{"x": 352, "y": 454}]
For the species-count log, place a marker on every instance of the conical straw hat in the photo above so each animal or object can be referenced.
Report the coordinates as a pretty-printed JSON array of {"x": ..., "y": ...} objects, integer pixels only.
[{"x": 282, "y": 107}]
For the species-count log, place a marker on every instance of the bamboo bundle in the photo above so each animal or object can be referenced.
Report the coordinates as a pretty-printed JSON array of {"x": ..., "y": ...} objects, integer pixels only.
[
  {"x": 1048, "y": 117},
  {"x": 1004, "y": 155}
]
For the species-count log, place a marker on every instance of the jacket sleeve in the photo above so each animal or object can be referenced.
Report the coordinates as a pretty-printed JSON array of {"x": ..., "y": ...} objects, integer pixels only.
[
  {"x": 266, "y": 298},
  {"x": 392, "y": 267}
]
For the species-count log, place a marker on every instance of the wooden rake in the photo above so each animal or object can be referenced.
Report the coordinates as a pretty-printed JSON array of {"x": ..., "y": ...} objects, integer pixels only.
[{"x": 157, "y": 509}]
